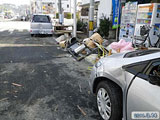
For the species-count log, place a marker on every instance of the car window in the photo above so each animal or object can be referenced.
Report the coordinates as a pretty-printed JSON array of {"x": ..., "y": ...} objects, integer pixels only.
[
  {"x": 136, "y": 67},
  {"x": 41, "y": 18}
]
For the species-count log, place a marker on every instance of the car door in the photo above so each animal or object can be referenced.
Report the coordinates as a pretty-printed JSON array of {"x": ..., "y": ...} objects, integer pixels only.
[{"x": 143, "y": 98}]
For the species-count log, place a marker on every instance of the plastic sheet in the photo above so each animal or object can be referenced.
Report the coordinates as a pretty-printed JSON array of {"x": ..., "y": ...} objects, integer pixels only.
[{"x": 122, "y": 45}]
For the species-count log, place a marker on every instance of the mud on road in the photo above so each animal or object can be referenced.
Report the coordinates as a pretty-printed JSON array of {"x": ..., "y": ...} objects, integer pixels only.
[{"x": 43, "y": 83}]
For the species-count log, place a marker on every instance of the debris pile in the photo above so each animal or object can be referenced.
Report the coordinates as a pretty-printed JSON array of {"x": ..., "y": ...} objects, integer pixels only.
[{"x": 93, "y": 48}]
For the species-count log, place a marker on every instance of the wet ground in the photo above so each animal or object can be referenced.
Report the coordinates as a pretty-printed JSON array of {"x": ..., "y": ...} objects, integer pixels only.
[{"x": 39, "y": 81}]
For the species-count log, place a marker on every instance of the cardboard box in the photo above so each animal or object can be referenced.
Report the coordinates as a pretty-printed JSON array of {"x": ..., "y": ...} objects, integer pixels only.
[
  {"x": 62, "y": 44},
  {"x": 97, "y": 38}
]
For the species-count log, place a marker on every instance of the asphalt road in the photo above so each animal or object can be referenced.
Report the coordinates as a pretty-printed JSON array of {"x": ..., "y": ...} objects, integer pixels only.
[{"x": 39, "y": 81}]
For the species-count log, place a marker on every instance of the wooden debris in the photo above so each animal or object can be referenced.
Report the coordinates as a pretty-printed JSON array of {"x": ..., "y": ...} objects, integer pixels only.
[
  {"x": 110, "y": 52},
  {"x": 32, "y": 71},
  {"x": 56, "y": 108},
  {"x": 62, "y": 44},
  {"x": 5, "y": 82},
  {"x": 80, "y": 88},
  {"x": 7, "y": 92},
  {"x": 118, "y": 51},
  {"x": 81, "y": 110},
  {"x": 15, "y": 84},
  {"x": 3, "y": 99}
]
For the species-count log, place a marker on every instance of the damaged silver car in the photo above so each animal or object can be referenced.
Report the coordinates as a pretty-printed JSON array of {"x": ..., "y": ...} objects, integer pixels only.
[{"x": 127, "y": 85}]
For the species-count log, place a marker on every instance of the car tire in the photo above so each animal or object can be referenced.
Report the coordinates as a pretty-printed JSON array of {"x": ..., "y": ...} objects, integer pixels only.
[
  {"x": 32, "y": 35},
  {"x": 109, "y": 101}
]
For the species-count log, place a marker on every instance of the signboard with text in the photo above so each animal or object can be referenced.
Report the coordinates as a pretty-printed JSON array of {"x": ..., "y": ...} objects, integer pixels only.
[{"x": 116, "y": 13}]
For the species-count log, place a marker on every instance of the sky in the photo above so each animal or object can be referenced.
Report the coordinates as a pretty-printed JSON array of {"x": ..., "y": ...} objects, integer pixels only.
[{"x": 16, "y": 2}]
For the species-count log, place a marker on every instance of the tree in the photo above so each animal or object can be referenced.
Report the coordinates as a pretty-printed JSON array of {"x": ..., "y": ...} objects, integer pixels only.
[{"x": 104, "y": 27}]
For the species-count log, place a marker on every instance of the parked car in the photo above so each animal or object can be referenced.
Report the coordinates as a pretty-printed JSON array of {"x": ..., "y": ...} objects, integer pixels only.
[
  {"x": 126, "y": 83},
  {"x": 23, "y": 18},
  {"x": 41, "y": 24},
  {"x": 1, "y": 16}
]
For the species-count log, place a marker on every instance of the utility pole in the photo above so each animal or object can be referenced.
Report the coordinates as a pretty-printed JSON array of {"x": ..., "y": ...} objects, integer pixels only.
[
  {"x": 71, "y": 8},
  {"x": 60, "y": 11},
  {"x": 41, "y": 6},
  {"x": 91, "y": 17},
  {"x": 75, "y": 19}
]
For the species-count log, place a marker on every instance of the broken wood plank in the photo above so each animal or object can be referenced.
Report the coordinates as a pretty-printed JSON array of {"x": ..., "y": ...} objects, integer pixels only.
[
  {"x": 15, "y": 84},
  {"x": 56, "y": 108},
  {"x": 81, "y": 110},
  {"x": 3, "y": 99}
]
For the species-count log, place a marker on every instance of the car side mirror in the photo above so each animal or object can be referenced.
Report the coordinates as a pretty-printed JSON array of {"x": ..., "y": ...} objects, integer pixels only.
[{"x": 154, "y": 79}]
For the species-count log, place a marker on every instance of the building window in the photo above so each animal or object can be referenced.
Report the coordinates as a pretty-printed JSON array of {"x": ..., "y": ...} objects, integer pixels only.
[{"x": 67, "y": 5}]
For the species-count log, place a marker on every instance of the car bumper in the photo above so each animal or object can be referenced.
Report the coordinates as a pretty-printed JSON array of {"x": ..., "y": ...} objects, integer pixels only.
[{"x": 42, "y": 31}]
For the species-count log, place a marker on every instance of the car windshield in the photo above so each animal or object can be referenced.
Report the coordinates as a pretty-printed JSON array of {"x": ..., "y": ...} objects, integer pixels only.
[
  {"x": 140, "y": 53},
  {"x": 41, "y": 18}
]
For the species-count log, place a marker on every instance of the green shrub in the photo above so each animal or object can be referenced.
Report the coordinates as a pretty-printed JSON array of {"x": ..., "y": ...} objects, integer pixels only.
[
  {"x": 77, "y": 16},
  {"x": 104, "y": 27},
  {"x": 57, "y": 15},
  {"x": 81, "y": 26},
  {"x": 69, "y": 16}
]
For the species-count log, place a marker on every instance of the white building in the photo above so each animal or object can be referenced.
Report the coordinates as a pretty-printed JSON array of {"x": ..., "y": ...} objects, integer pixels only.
[
  {"x": 51, "y": 6},
  {"x": 68, "y": 5},
  {"x": 102, "y": 8},
  {"x": 43, "y": 7}
]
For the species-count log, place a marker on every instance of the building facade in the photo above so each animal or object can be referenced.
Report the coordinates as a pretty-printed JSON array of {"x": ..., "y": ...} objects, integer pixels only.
[
  {"x": 43, "y": 7},
  {"x": 102, "y": 8},
  {"x": 52, "y": 6}
]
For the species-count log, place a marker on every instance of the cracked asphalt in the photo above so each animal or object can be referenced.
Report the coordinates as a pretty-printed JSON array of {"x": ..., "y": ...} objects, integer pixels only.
[{"x": 39, "y": 81}]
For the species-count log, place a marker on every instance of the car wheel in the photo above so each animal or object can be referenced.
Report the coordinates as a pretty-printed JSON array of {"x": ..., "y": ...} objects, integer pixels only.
[
  {"x": 32, "y": 35},
  {"x": 109, "y": 101}
]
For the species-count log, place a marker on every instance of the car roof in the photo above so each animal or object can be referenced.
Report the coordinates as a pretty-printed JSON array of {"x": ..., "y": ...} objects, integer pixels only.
[{"x": 40, "y": 14}]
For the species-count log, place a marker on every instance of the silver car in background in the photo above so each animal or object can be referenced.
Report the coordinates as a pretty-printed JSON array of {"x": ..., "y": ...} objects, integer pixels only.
[
  {"x": 127, "y": 85},
  {"x": 41, "y": 24}
]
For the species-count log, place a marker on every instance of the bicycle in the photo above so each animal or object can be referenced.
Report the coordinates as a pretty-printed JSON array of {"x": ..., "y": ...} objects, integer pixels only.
[
  {"x": 157, "y": 44},
  {"x": 144, "y": 40}
]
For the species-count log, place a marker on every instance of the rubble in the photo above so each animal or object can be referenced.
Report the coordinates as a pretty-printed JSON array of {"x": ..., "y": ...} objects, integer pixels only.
[{"x": 93, "y": 48}]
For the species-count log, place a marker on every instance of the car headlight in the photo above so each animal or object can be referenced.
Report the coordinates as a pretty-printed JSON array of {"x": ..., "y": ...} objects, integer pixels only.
[{"x": 98, "y": 64}]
